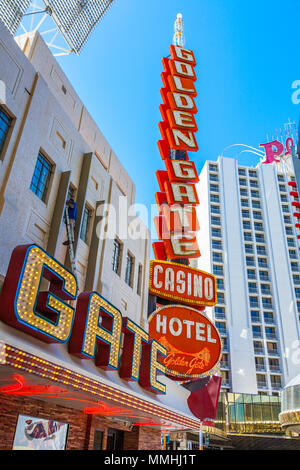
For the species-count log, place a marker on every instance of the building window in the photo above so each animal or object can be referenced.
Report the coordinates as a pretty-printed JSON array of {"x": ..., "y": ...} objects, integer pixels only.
[
  {"x": 252, "y": 287},
  {"x": 262, "y": 263},
  {"x": 243, "y": 182},
  {"x": 267, "y": 303},
  {"x": 256, "y": 331},
  {"x": 287, "y": 219},
  {"x": 252, "y": 174},
  {"x": 221, "y": 327},
  {"x": 86, "y": 222},
  {"x": 245, "y": 203},
  {"x": 258, "y": 347},
  {"x": 41, "y": 177},
  {"x": 250, "y": 261},
  {"x": 255, "y": 317},
  {"x": 218, "y": 270},
  {"x": 270, "y": 332},
  {"x": 249, "y": 249},
  {"x": 98, "y": 439},
  {"x": 294, "y": 266},
  {"x": 220, "y": 284},
  {"x": 282, "y": 188},
  {"x": 297, "y": 292},
  {"x": 256, "y": 205},
  {"x": 247, "y": 236},
  {"x": 213, "y": 167},
  {"x": 253, "y": 184},
  {"x": 264, "y": 275},
  {"x": 129, "y": 269},
  {"x": 260, "y": 363},
  {"x": 258, "y": 226},
  {"x": 261, "y": 250},
  {"x": 296, "y": 279},
  {"x": 5, "y": 123},
  {"x": 268, "y": 317},
  {"x": 221, "y": 298},
  {"x": 251, "y": 274},
  {"x": 242, "y": 172},
  {"x": 261, "y": 381},
  {"x": 214, "y": 188},
  {"x": 243, "y": 192},
  {"x": 217, "y": 244},
  {"x": 259, "y": 238},
  {"x": 255, "y": 193},
  {"x": 275, "y": 381},
  {"x": 254, "y": 302},
  {"x": 285, "y": 209},
  {"x": 245, "y": 214},
  {"x": 117, "y": 256},
  {"x": 257, "y": 215},
  {"x": 215, "y": 220},
  {"x": 214, "y": 198},
  {"x": 216, "y": 232},
  {"x": 265, "y": 289},
  {"x": 246, "y": 225},
  {"x": 220, "y": 313},
  {"x": 215, "y": 209},
  {"x": 139, "y": 281},
  {"x": 217, "y": 257}
]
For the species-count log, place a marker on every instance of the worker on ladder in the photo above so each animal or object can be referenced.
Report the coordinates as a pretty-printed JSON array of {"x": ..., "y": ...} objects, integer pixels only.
[{"x": 72, "y": 215}]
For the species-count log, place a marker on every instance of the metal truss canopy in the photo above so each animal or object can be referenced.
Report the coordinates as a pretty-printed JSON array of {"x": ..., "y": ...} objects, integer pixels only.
[
  {"x": 11, "y": 13},
  {"x": 76, "y": 19}
]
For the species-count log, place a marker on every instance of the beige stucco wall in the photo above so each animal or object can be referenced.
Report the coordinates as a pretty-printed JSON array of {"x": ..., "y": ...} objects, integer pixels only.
[{"x": 56, "y": 122}]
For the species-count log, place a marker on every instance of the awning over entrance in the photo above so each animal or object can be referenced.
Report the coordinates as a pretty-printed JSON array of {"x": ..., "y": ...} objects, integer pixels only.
[{"x": 23, "y": 373}]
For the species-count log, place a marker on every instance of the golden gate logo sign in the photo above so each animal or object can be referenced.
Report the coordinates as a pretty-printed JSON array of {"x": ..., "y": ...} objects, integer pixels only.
[
  {"x": 192, "y": 342},
  {"x": 177, "y": 221},
  {"x": 182, "y": 284},
  {"x": 94, "y": 329}
]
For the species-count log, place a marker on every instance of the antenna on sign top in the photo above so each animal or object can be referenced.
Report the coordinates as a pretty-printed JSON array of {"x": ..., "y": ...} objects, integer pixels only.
[{"x": 178, "y": 38}]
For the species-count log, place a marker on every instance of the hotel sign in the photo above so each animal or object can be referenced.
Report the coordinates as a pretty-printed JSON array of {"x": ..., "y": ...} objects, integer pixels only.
[{"x": 192, "y": 341}]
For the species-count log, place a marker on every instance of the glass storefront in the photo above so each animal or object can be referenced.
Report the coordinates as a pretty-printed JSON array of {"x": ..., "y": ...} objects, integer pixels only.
[
  {"x": 246, "y": 414},
  {"x": 291, "y": 398}
]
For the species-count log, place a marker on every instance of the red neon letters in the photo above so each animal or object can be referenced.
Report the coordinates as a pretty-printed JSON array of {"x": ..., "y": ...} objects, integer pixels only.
[
  {"x": 177, "y": 199},
  {"x": 93, "y": 329}
]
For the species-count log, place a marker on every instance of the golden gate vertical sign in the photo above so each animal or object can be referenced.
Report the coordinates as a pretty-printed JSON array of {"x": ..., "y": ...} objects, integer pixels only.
[
  {"x": 177, "y": 221},
  {"x": 181, "y": 329}
]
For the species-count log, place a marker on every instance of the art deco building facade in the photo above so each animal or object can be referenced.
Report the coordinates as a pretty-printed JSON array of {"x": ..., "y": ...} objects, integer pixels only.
[{"x": 51, "y": 148}]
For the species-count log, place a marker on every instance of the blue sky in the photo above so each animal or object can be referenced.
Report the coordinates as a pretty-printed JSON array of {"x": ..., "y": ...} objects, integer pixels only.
[{"x": 247, "y": 54}]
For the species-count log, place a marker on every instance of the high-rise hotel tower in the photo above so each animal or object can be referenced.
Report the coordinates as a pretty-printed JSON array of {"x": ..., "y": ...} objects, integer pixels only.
[{"x": 249, "y": 240}]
